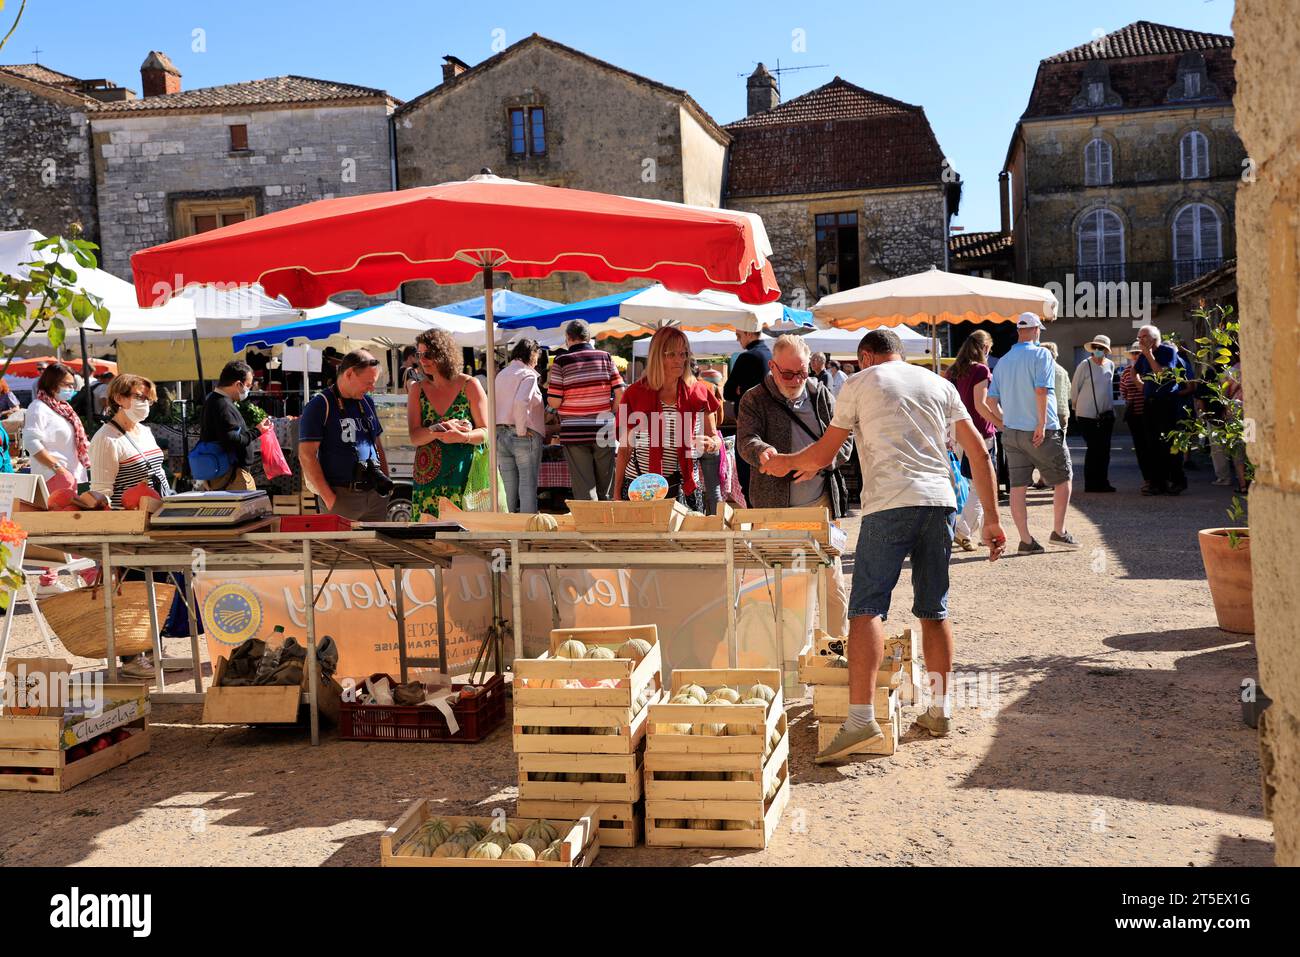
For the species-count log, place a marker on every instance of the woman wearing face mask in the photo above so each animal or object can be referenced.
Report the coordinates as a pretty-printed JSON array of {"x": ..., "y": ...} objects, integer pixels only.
[
  {"x": 1094, "y": 410},
  {"x": 52, "y": 432},
  {"x": 223, "y": 423}
]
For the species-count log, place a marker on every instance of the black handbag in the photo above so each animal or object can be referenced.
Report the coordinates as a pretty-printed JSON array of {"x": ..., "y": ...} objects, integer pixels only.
[{"x": 838, "y": 486}]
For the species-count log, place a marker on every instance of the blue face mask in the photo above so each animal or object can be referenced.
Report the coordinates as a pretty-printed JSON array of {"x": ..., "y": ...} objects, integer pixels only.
[
  {"x": 67, "y": 394},
  {"x": 1099, "y": 353}
]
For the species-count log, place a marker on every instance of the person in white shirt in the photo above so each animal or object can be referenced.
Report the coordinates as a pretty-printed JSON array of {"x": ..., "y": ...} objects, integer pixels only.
[
  {"x": 838, "y": 377},
  {"x": 900, "y": 415},
  {"x": 1094, "y": 412},
  {"x": 521, "y": 425},
  {"x": 52, "y": 431}
]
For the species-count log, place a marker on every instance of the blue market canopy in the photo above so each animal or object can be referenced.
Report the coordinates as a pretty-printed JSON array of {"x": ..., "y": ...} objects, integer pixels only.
[
  {"x": 505, "y": 305},
  {"x": 388, "y": 324}
]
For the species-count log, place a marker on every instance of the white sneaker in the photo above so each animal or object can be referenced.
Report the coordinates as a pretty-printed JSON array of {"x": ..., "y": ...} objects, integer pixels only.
[{"x": 55, "y": 587}]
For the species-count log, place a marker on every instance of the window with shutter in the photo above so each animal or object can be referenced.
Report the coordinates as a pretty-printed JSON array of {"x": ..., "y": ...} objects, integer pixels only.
[
  {"x": 1198, "y": 242},
  {"x": 1101, "y": 247},
  {"x": 1097, "y": 163},
  {"x": 1194, "y": 155}
]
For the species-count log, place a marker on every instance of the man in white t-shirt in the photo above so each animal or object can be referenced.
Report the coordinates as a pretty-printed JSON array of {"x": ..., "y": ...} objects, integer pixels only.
[{"x": 900, "y": 415}]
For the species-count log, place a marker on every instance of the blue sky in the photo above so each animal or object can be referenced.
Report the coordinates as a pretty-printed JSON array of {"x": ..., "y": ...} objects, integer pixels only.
[{"x": 970, "y": 64}]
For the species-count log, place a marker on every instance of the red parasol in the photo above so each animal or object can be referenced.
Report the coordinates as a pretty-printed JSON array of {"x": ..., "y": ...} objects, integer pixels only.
[
  {"x": 27, "y": 368},
  {"x": 456, "y": 231}
]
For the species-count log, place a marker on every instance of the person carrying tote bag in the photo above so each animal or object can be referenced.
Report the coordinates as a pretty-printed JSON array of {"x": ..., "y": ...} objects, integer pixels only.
[{"x": 1094, "y": 406}]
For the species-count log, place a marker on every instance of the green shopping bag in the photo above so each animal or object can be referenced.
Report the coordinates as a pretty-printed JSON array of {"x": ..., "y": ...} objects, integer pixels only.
[{"x": 476, "y": 487}]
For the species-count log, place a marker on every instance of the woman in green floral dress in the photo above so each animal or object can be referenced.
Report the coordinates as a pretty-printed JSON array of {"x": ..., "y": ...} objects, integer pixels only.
[{"x": 445, "y": 414}]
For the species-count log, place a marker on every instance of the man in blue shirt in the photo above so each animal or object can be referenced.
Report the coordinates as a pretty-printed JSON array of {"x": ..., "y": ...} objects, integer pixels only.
[
  {"x": 1161, "y": 370},
  {"x": 1022, "y": 404},
  {"x": 339, "y": 448}
]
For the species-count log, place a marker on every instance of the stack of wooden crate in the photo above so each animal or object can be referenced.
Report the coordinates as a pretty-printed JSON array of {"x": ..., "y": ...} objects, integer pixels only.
[
  {"x": 898, "y": 680},
  {"x": 705, "y": 789},
  {"x": 578, "y": 734}
]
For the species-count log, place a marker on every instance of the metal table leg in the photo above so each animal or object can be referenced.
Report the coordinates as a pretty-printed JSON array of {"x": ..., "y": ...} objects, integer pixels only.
[
  {"x": 399, "y": 611},
  {"x": 192, "y": 613},
  {"x": 313, "y": 676},
  {"x": 516, "y": 597},
  {"x": 151, "y": 595},
  {"x": 442, "y": 621},
  {"x": 733, "y": 650},
  {"x": 106, "y": 579}
]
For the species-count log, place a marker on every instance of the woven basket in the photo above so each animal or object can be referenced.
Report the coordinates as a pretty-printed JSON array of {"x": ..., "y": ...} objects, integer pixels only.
[{"x": 77, "y": 617}]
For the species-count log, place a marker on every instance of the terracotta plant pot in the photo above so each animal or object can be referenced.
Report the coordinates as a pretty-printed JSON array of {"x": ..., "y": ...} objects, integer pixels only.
[{"x": 1228, "y": 571}]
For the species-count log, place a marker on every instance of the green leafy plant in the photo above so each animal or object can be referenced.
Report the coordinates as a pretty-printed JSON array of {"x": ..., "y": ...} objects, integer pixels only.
[{"x": 1230, "y": 430}]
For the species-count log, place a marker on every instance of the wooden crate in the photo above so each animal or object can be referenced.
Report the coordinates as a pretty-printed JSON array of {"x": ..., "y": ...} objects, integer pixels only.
[
  {"x": 619, "y": 825},
  {"x": 901, "y": 651},
  {"x": 815, "y": 519},
  {"x": 625, "y": 767},
  {"x": 539, "y": 704},
  {"x": 742, "y": 761},
  {"x": 105, "y": 522},
  {"x": 41, "y": 742},
  {"x": 832, "y": 701},
  {"x": 827, "y": 729},
  {"x": 663, "y": 515},
  {"x": 266, "y": 704},
  {"x": 580, "y": 836}
]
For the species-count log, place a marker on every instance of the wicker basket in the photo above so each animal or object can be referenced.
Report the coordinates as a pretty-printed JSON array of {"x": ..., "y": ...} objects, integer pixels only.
[{"x": 77, "y": 617}]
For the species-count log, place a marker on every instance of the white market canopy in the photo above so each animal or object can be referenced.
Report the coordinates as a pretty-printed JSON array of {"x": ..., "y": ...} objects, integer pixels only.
[
  {"x": 389, "y": 324},
  {"x": 837, "y": 342},
  {"x": 932, "y": 297}
]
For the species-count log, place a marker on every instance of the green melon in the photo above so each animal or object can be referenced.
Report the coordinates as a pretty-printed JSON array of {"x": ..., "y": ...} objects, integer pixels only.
[
  {"x": 550, "y": 854},
  {"x": 544, "y": 831},
  {"x": 450, "y": 849}
]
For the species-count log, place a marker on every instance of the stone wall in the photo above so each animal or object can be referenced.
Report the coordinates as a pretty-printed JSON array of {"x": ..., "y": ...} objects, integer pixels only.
[
  {"x": 900, "y": 231},
  {"x": 144, "y": 164},
  {"x": 1268, "y": 271},
  {"x": 45, "y": 169}
]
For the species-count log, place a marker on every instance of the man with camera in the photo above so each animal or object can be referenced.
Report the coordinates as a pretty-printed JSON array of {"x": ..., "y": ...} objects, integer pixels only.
[{"x": 339, "y": 446}]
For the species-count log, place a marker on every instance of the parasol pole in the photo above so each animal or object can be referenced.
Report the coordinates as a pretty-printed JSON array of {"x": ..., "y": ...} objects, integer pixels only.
[
  {"x": 491, "y": 387},
  {"x": 934, "y": 342},
  {"x": 87, "y": 375},
  {"x": 198, "y": 363}
]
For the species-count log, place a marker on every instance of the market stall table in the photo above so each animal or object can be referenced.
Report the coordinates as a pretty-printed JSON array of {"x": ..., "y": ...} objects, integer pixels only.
[
  {"x": 395, "y": 549},
  {"x": 774, "y": 549}
]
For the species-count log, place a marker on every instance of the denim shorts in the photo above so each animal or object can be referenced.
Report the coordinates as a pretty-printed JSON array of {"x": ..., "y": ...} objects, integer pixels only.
[{"x": 922, "y": 532}]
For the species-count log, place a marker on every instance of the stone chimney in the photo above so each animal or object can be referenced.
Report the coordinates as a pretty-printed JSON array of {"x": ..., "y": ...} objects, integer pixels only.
[
  {"x": 452, "y": 67},
  {"x": 1004, "y": 193},
  {"x": 763, "y": 94},
  {"x": 158, "y": 75}
]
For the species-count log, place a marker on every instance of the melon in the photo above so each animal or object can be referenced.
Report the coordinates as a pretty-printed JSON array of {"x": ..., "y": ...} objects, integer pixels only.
[
  {"x": 739, "y": 825},
  {"x": 740, "y": 776},
  {"x": 571, "y": 649},
  {"x": 496, "y": 837},
  {"x": 761, "y": 691},
  {"x": 485, "y": 851},
  {"x": 536, "y": 843},
  {"x": 414, "y": 848},
  {"x": 713, "y": 701},
  {"x": 674, "y": 729},
  {"x": 672, "y": 822},
  {"x": 634, "y": 648},
  {"x": 600, "y": 652},
  {"x": 713, "y": 730},
  {"x": 685, "y": 699},
  {"x": 541, "y": 522},
  {"x": 694, "y": 691},
  {"x": 544, "y": 831},
  {"x": 839, "y": 661},
  {"x": 730, "y": 695},
  {"x": 450, "y": 849},
  {"x": 705, "y": 824},
  {"x": 774, "y": 738},
  {"x": 435, "y": 829},
  {"x": 550, "y": 854},
  {"x": 773, "y": 785},
  {"x": 611, "y": 778},
  {"x": 519, "y": 852}
]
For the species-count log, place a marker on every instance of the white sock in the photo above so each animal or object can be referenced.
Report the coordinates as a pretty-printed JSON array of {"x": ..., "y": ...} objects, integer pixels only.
[
  {"x": 940, "y": 710},
  {"x": 860, "y": 715}
]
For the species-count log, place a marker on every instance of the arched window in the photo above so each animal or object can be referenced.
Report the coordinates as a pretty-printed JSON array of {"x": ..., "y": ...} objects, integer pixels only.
[
  {"x": 1097, "y": 168},
  {"x": 1194, "y": 155},
  {"x": 1101, "y": 247},
  {"x": 1198, "y": 242}
]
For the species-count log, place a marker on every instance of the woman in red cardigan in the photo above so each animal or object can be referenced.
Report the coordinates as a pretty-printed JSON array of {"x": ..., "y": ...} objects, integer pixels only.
[{"x": 667, "y": 419}]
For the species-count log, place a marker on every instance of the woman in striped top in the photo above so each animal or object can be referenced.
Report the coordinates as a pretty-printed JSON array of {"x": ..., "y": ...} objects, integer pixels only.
[{"x": 124, "y": 453}]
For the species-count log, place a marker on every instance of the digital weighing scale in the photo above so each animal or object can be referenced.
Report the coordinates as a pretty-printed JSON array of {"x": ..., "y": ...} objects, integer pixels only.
[{"x": 212, "y": 509}]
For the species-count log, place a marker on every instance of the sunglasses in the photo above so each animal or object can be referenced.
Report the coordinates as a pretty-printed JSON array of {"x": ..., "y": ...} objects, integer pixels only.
[
  {"x": 793, "y": 374},
  {"x": 347, "y": 364}
]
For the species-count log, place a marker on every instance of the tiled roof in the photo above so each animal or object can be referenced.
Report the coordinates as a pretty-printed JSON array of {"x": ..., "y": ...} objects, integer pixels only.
[
  {"x": 41, "y": 74},
  {"x": 836, "y": 137},
  {"x": 536, "y": 39},
  {"x": 1143, "y": 38},
  {"x": 1141, "y": 61},
  {"x": 979, "y": 244},
  {"x": 272, "y": 91}
]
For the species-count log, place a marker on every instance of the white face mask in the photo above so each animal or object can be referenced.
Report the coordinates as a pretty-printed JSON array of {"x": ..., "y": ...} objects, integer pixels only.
[
  {"x": 137, "y": 411},
  {"x": 243, "y": 392}
]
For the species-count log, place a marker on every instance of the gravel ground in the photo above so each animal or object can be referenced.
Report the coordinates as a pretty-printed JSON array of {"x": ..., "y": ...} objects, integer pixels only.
[{"x": 1114, "y": 738}]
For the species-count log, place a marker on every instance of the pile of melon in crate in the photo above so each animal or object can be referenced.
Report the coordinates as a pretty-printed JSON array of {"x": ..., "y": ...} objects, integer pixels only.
[
  {"x": 717, "y": 760},
  {"x": 421, "y": 838},
  {"x": 475, "y": 840},
  {"x": 580, "y": 720},
  {"x": 825, "y": 668}
]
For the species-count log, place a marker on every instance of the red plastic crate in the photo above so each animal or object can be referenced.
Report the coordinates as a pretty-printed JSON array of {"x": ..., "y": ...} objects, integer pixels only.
[
  {"x": 315, "y": 523},
  {"x": 478, "y": 717}
]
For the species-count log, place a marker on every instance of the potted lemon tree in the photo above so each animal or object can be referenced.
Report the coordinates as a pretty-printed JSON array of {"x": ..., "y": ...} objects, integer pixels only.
[{"x": 1222, "y": 424}]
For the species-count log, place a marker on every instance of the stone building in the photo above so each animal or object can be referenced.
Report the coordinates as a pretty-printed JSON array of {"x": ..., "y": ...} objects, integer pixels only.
[
  {"x": 546, "y": 113},
  {"x": 987, "y": 253},
  {"x": 851, "y": 185},
  {"x": 1122, "y": 175},
  {"x": 46, "y": 172},
  {"x": 177, "y": 162},
  {"x": 1268, "y": 258}
]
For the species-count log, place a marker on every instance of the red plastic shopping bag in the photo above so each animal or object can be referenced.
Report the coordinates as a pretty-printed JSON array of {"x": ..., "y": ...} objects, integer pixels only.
[{"x": 273, "y": 461}]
